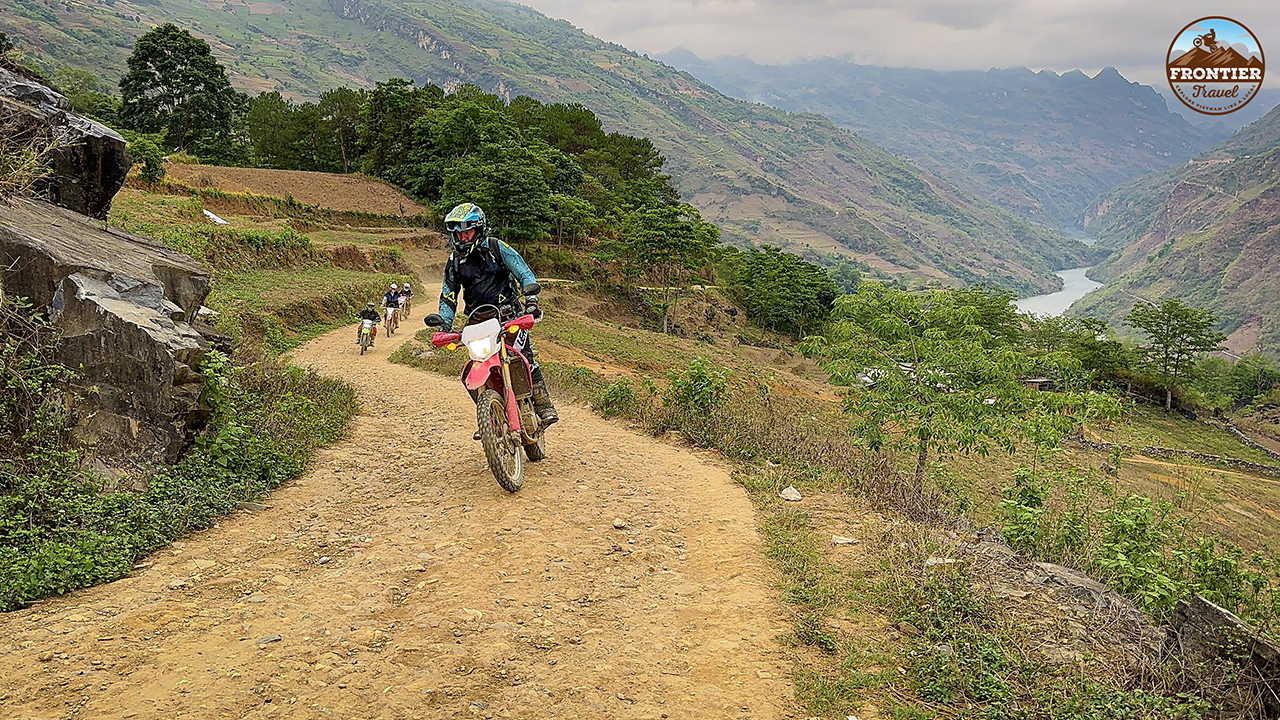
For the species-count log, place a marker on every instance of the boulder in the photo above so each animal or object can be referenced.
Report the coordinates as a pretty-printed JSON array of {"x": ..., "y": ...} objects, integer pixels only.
[
  {"x": 1214, "y": 645},
  {"x": 122, "y": 303},
  {"x": 89, "y": 168}
]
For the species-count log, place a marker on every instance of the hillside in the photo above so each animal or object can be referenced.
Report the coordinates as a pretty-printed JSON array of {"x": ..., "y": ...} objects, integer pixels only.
[
  {"x": 764, "y": 175},
  {"x": 1206, "y": 232},
  {"x": 1035, "y": 143}
]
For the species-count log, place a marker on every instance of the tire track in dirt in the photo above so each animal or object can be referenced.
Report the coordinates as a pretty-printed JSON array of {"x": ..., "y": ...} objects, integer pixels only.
[{"x": 403, "y": 582}]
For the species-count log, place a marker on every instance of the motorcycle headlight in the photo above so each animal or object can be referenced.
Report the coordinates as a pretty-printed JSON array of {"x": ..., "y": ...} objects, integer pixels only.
[{"x": 481, "y": 349}]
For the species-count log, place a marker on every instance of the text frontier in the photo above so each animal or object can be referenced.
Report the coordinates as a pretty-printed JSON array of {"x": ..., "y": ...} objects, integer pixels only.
[{"x": 1240, "y": 74}]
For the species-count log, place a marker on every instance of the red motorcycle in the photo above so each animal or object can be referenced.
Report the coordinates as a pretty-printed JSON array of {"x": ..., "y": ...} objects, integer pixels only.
[{"x": 498, "y": 378}]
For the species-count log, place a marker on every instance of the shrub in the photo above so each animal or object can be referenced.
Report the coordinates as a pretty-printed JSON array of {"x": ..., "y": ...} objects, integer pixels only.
[
  {"x": 61, "y": 529},
  {"x": 147, "y": 153},
  {"x": 24, "y": 157},
  {"x": 619, "y": 398}
]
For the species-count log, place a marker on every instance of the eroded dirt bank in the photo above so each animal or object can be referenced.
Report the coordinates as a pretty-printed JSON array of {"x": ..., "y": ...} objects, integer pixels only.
[{"x": 397, "y": 580}]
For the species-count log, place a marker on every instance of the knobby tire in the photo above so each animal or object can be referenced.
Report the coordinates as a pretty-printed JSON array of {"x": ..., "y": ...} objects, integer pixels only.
[{"x": 505, "y": 459}]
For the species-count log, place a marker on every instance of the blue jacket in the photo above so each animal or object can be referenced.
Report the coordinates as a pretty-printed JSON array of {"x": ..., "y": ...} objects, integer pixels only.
[{"x": 485, "y": 276}]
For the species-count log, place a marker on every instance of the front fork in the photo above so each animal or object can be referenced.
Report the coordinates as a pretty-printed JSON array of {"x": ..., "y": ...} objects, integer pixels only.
[{"x": 508, "y": 390}]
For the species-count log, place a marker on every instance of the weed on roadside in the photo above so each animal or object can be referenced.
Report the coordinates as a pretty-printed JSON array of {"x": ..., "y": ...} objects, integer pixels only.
[{"x": 63, "y": 527}]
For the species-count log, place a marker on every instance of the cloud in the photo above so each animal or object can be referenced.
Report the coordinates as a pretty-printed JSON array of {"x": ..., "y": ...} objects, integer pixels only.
[{"x": 939, "y": 34}]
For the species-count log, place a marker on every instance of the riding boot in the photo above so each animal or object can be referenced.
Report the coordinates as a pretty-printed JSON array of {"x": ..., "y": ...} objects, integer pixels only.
[{"x": 542, "y": 402}]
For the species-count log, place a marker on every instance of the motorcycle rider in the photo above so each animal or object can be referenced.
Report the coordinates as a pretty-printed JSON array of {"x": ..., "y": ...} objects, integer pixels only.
[
  {"x": 491, "y": 272},
  {"x": 392, "y": 298},
  {"x": 370, "y": 312},
  {"x": 407, "y": 292}
]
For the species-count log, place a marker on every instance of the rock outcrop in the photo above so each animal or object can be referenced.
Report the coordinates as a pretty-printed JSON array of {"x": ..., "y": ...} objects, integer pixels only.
[
  {"x": 88, "y": 168},
  {"x": 1214, "y": 644},
  {"x": 123, "y": 304}
]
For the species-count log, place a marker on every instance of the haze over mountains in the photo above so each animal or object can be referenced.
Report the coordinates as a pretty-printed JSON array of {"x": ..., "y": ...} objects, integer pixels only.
[
  {"x": 1039, "y": 144},
  {"x": 765, "y": 176}
]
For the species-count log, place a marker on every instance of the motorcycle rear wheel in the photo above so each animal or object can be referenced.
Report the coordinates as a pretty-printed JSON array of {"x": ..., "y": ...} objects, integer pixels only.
[{"x": 505, "y": 460}]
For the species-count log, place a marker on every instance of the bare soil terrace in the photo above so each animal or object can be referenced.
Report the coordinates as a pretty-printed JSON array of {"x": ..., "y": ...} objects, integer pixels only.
[{"x": 356, "y": 193}]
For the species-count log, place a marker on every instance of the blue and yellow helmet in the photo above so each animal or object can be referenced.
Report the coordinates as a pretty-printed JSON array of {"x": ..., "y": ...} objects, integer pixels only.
[{"x": 466, "y": 216}]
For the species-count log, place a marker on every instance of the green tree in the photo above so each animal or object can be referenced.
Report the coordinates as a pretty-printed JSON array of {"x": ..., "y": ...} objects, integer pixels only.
[
  {"x": 88, "y": 94},
  {"x": 939, "y": 372},
  {"x": 387, "y": 128},
  {"x": 780, "y": 291},
  {"x": 846, "y": 276},
  {"x": 5, "y": 44},
  {"x": 446, "y": 136},
  {"x": 1177, "y": 335},
  {"x": 1090, "y": 341},
  {"x": 340, "y": 112},
  {"x": 665, "y": 244},
  {"x": 572, "y": 217},
  {"x": 273, "y": 132},
  {"x": 175, "y": 85},
  {"x": 506, "y": 181}
]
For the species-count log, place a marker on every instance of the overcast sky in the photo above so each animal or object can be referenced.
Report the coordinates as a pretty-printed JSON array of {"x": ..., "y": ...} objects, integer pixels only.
[{"x": 1058, "y": 35}]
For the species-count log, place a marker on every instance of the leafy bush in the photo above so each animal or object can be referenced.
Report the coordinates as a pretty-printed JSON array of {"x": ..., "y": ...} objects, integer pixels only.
[
  {"x": 693, "y": 400},
  {"x": 619, "y": 398},
  {"x": 145, "y": 151}
]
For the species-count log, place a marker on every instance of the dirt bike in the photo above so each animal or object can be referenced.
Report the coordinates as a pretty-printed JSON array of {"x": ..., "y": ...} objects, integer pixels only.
[
  {"x": 367, "y": 331},
  {"x": 498, "y": 378},
  {"x": 1209, "y": 44},
  {"x": 405, "y": 302},
  {"x": 391, "y": 322}
]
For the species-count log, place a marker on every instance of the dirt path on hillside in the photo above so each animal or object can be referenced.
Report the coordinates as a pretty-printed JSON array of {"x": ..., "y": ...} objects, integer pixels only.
[{"x": 396, "y": 580}]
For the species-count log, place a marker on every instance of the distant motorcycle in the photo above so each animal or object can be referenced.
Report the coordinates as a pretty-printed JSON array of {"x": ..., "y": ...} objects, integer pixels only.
[
  {"x": 499, "y": 380},
  {"x": 405, "y": 302},
  {"x": 391, "y": 321},
  {"x": 367, "y": 331}
]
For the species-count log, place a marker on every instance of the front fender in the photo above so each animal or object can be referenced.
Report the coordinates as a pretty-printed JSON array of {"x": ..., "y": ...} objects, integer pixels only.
[{"x": 478, "y": 375}]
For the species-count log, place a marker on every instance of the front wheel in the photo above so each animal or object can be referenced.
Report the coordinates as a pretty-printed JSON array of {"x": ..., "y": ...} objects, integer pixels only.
[
  {"x": 502, "y": 452},
  {"x": 537, "y": 450}
]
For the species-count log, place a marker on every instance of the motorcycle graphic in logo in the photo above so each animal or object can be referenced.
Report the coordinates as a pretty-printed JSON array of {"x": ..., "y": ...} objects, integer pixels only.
[{"x": 1215, "y": 65}]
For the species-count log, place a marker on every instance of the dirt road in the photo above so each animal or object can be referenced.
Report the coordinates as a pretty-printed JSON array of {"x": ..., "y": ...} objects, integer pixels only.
[{"x": 396, "y": 580}]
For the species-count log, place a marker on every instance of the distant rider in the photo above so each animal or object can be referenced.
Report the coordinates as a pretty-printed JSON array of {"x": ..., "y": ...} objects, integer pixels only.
[
  {"x": 370, "y": 312},
  {"x": 491, "y": 272},
  {"x": 407, "y": 293},
  {"x": 392, "y": 298}
]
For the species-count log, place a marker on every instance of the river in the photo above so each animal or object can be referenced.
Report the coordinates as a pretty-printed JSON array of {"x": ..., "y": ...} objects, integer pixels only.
[{"x": 1074, "y": 286}]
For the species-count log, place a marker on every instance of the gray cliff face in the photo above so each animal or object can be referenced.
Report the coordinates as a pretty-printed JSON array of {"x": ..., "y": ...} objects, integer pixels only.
[
  {"x": 121, "y": 303},
  {"x": 90, "y": 168}
]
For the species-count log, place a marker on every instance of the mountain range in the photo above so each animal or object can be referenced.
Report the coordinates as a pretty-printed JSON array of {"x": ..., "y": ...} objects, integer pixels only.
[
  {"x": 1207, "y": 232},
  {"x": 1224, "y": 57},
  {"x": 765, "y": 175},
  {"x": 1039, "y": 144}
]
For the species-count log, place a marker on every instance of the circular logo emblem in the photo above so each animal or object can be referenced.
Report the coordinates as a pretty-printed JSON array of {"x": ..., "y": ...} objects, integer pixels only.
[{"x": 1215, "y": 65}]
